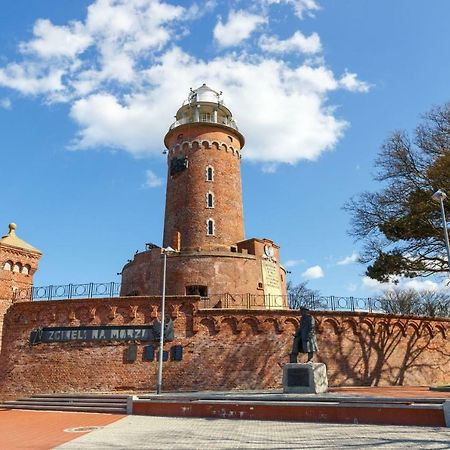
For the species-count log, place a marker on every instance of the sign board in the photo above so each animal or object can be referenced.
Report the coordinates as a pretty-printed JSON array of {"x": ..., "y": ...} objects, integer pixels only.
[
  {"x": 272, "y": 283},
  {"x": 102, "y": 333}
]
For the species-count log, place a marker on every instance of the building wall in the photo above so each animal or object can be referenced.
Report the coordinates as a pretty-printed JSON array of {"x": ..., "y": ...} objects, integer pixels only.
[
  {"x": 223, "y": 349},
  {"x": 186, "y": 209},
  {"x": 12, "y": 283},
  {"x": 221, "y": 272}
]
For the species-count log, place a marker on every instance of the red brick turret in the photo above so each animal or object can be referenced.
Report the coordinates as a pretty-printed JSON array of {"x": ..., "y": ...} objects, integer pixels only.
[{"x": 18, "y": 262}]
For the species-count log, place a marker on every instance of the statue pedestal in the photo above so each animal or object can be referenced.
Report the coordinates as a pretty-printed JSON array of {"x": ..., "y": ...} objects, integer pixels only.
[{"x": 308, "y": 378}]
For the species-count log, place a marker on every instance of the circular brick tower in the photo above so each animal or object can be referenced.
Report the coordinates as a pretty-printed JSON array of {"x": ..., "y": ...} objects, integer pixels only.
[
  {"x": 203, "y": 198},
  {"x": 204, "y": 221}
]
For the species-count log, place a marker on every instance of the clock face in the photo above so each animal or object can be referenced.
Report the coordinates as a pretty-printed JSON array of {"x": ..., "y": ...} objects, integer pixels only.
[{"x": 268, "y": 250}]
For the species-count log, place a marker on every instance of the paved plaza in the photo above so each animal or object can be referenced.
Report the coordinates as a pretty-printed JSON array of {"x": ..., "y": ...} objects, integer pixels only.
[
  {"x": 139, "y": 432},
  {"x": 40, "y": 430}
]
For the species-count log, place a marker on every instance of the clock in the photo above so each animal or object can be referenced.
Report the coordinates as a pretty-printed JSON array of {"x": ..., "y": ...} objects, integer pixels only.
[{"x": 268, "y": 250}]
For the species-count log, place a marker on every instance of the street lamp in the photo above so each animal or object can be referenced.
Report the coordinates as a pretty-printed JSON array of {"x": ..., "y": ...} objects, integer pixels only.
[
  {"x": 165, "y": 251},
  {"x": 440, "y": 196}
]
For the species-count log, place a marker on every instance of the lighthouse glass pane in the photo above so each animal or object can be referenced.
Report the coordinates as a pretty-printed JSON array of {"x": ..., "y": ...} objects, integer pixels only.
[{"x": 205, "y": 117}]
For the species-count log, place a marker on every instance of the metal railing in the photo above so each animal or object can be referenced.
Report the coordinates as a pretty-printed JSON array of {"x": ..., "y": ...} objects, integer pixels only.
[
  {"x": 328, "y": 303},
  {"x": 217, "y": 301},
  {"x": 68, "y": 291},
  {"x": 228, "y": 123}
]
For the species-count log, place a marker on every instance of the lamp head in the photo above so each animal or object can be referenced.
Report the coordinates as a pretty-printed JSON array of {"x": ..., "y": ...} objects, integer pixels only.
[
  {"x": 439, "y": 195},
  {"x": 168, "y": 250}
]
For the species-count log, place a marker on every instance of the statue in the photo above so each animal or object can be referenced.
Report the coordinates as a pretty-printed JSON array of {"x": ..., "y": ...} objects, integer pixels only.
[{"x": 305, "y": 337}]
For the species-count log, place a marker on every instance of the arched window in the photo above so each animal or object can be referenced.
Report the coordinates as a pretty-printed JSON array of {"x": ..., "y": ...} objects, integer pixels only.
[
  {"x": 26, "y": 269},
  {"x": 17, "y": 268},
  {"x": 209, "y": 173},
  {"x": 210, "y": 227},
  {"x": 7, "y": 265},
  {"x": 210, "y": 200}
]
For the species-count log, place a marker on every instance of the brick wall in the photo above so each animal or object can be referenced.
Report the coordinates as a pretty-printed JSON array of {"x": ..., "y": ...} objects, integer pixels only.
[
  {"x": 186, "y": 209},
  {"x": 12, "y": 282},
  {"x": 223, "y": 349}
]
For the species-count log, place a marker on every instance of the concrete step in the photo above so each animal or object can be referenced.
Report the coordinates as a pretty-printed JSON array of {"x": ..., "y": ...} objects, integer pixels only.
[
  {"x": 75, "y": 404},
  {"x": 114, "y": 404},
  {"x": 93, "y": 409},
  {"x": 74, "y": 400},
  {"x": 78, "y": 395}
]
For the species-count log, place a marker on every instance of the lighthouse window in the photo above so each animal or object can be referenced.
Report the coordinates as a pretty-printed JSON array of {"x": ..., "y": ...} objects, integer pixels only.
[
  {"x": 7, "y": 265},
  {"x": 210, "y": 227},
  {"x": 210, "y": 200},
  {"x": 209, "y": 174},
  {"x": 17, "y": 267},
  {"x": 205, "y": 117}
]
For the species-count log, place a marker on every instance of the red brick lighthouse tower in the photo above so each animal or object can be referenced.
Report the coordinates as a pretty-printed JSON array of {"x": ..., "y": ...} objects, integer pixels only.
[
  {"x": 204, "y": 217},
  {"x": 204, "y": 199}
]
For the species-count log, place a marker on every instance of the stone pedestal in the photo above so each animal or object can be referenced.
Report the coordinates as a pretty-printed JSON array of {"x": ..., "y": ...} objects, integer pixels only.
[{"x": 308, "y": 378}]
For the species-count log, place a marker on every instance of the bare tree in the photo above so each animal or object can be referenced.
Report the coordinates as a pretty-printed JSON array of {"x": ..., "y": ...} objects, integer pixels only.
[
  {"x": 399, "y": 224},
  {"x": 300, "y": 295},
  {"x": 411, "y": 302}
]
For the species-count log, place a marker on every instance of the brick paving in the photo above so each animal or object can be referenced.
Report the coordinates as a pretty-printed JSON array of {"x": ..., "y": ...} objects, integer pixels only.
[
  {"x": 143, "y": 432},
  {"x": 20, "y": 429}
]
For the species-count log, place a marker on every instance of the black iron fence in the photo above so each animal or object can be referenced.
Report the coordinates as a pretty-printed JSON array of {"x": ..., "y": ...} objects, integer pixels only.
[
  {"x": 329, "y": 303},
  {"x": 227, "y": 300},
  {"x": 68, "y": 291}
]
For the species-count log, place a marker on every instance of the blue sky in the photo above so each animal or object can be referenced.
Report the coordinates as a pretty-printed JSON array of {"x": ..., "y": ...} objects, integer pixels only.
[{"x": 88, "y": 89}]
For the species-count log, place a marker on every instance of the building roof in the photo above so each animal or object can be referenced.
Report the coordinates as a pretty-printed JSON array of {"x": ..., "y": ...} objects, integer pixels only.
[{"x": 12, "y": 240}]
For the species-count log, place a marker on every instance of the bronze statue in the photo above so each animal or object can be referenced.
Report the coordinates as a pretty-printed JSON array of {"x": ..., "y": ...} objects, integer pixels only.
[{"x": 305, "y": 337}]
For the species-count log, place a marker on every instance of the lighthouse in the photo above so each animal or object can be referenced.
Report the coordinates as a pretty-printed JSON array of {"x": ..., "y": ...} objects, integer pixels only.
[{"x": 204, "y": 221}]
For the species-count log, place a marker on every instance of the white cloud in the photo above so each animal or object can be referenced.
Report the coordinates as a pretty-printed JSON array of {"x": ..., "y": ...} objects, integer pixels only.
[
  {"x": 152, "y": 180},
  {"x": 350, "y": 82},
  {"x": 57, "y": 41},
  {"x": 269, "y": 168},
  {"x": 298, "y": 42},
  {"x": 30, "y": 78},
  {"x": 293, "y": 262},
  {"x": 371, "y": 284},
  {"x": 404, "y": 283},
  {"x": 352, "y": 287},
  {"x": 313, "y": 273},
  {"x": 5, "y": 103},
  {"x": 124, "y": 78},
  {"x": 301, "y": 7},
  {"x": 240, "y": 25},
  {"x": 348, "y": 259}
]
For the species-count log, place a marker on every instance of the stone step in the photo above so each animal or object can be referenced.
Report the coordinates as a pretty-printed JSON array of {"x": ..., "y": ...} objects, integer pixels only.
[
  {"x": 75, "y": 395},
  {"x": 114, "y": 404},
  {"x": 56, "y": 403},
  {"x": 74, "y": 400},
  {"x": 93, "y": 409}
]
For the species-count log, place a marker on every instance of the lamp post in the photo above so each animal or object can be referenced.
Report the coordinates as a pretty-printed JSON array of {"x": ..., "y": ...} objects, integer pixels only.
[
  {"x": 165, "y": 251},
  {"x": 440, "y": 196}
]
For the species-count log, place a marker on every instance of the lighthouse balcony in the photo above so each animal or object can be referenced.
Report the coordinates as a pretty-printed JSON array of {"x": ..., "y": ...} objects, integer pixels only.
[{"x": 205, "y": 118}]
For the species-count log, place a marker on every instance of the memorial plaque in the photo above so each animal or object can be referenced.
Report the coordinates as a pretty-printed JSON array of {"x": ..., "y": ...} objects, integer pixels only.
[
  {"x": 177, "y": 352},
  {"x": 298, "y": 376},
  {"x": 131, "y": 353},
  {"x": 149, "y": 353},
  {"x": 272, "y": 284}
]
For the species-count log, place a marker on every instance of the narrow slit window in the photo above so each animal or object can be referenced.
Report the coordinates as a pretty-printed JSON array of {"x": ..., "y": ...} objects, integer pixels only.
[
  {"x": 209, "y": 174},
  {"x": 210, "y": 227},
  {"x": 210, "y": 200}
]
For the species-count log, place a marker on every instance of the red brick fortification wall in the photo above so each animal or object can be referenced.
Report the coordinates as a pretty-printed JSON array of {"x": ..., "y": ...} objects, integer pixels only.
[
  {"x": 222, "y": 272},
  {"x": 223, "y": 349},
  {"x": 186, "y": 207}
]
